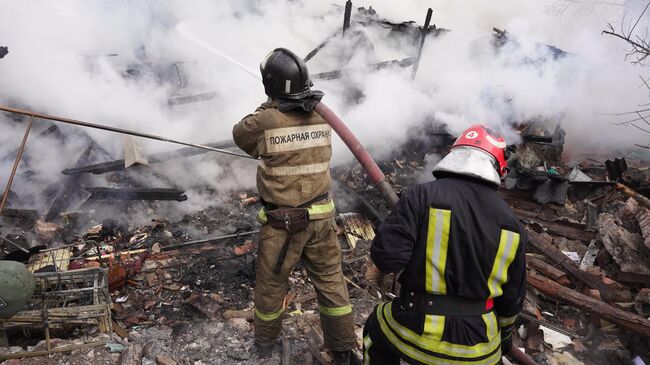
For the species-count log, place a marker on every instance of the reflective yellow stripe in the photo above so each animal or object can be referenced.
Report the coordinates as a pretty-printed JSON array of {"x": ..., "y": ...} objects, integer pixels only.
[
  {"x": 335, "y": 311},
  {"x": 507, "y": 321},
  {"x": 321, "y": 208},
  {"x": 437, "y": 239},
  {"x": 367, "y": 342},
  {"x": 314, "y": 210},
  {"x": 434, "y": 326},
  {"x": 435, "y": 344},
  {"x": 508, "y": 245},
  {"x": 295, "y": 170},
  {"x": 490, "y": 320},
  {"x": 268, "y": 317},
  {"x": 425, "y": 358}
]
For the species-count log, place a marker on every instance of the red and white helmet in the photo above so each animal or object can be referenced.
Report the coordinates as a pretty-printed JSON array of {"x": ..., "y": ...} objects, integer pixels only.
[{"x": 479, "y": 152}]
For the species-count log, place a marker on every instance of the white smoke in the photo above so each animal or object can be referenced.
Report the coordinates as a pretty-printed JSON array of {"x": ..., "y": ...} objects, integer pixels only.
[{"x": 70, "y": 57}]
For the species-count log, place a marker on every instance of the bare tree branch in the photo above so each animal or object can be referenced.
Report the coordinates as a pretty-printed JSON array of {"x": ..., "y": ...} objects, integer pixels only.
[{"x": 639, "y": 19}]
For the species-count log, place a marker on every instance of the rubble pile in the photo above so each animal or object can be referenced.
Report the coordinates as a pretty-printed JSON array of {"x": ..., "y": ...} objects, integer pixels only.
[
  {"x": 180, "y": 291},
  {"x": 179, "y": 297}
]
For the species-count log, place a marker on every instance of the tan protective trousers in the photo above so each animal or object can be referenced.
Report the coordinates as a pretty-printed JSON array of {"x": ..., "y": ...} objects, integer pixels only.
[{"x": 320, "y": 252}]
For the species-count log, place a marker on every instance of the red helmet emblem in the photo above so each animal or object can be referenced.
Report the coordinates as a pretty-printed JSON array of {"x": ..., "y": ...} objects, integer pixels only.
[{"x": 487, "y": 140}]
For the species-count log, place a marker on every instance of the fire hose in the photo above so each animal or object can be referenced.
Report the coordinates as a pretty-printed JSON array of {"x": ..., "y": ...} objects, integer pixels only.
[{"x": 360, "y": 153}]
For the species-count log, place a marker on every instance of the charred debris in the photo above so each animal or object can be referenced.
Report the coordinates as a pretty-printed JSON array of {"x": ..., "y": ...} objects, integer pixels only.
[{"x": 179, "y": 291}]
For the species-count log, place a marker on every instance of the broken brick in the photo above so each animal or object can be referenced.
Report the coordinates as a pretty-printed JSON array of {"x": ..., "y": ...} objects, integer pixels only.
[{"x": 248, "y": 246}]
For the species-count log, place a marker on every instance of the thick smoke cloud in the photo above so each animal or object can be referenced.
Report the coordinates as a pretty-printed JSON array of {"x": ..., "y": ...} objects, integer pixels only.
[{"x": 70, "y": 58}]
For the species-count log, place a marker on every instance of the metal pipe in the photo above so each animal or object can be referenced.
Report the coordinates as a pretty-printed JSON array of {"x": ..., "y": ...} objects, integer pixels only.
[
  {"x": 118, "y": 130},
  {"x": 184, "y": 244},
  {"x": 14, "y": 244},
  {"x": 362, "y": 155},
  {"x": 19, "y": 156},
  {"x": 425, "y": 31},
  {"x": 521, "y": 357}
]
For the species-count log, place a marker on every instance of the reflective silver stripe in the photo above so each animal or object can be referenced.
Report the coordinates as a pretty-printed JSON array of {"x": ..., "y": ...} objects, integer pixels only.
[
  {"x": 492, "y": 329},
  {"x": 287, "y": 87},
  {"x": 295, "y": 170},
  {"x": 437, "y": 240},
  {"x": 296, "y": 138}
]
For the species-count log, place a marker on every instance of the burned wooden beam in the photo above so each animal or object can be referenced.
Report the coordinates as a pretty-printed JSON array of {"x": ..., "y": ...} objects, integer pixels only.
[
  {"x": 548, "y": 270},
  {"x": 624, "y": 319},
  {"x": 573, "y": 231},
  {"x": 69, "y": 186},
  {"x": 101, "y": 193},
  {"x": 632, "y": 277},
  {"x": 313, "y": 53},
  {"x": 347, "y": 15},
  {"x": 50, "y": 130},
  {"x": 22, "y": 214},
  {"x": 416, "y": 63},
  {"x": 118, "y": 165},
  {"x": 179, "y": 100},
  {"x": 542, "y": 244},
  {"x": 337, "y": 74},
  {"x": 633, "y": 194},
  {"x": 530, "y": 211}
]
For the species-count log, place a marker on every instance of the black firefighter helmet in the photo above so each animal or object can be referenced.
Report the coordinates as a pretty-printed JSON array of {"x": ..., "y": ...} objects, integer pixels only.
[{"x": 285, "y": 75}]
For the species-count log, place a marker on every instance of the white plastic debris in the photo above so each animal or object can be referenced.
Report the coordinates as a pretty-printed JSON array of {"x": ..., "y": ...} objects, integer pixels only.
[
  {"x": 122, "y": 299},
  {"x": 522, "y": 331},
  {"x": 574, "y": 256},
  {"x": 590, "y": 256},
  {"x": 555, "y": 339},
  {"x": 638, "y": 361},
  {"x": 562, "y": 358},
  {"x": 577, "y": 175}
]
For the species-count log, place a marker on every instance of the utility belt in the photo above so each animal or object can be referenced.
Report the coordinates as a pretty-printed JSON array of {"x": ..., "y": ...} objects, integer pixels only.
[
  {"x": 292, "y": 220},
  {"x": 443, "y": 305}
]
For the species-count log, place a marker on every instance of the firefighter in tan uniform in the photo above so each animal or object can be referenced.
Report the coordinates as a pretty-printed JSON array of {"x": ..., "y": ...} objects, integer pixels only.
[{"x": 293, "y": 145}]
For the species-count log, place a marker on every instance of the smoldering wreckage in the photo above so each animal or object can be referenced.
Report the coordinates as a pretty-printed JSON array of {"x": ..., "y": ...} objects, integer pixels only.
[{"x": 180, "y": 292}]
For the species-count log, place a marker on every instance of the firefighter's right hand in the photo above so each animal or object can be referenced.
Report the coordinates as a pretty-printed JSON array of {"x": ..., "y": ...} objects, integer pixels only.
[
  {"x": 378, "y": 280},
  {"x": 374, "y": 277}
]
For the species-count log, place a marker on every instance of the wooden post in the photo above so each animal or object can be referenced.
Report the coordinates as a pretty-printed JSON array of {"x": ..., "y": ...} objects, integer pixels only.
[{"x": 624, "y": 319}]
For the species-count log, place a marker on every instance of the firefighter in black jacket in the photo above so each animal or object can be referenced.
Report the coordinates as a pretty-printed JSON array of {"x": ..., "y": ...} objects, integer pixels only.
[{"x": 461, "y": 251}]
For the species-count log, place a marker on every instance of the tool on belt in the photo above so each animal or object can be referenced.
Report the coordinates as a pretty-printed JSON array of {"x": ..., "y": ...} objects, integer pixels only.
[
  {"x": 443, "y": 305},
  {"x": 292, "y": 220}
]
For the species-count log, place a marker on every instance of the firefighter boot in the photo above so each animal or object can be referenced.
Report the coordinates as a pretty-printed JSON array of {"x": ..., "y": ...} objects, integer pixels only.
[
  {"x": 264, "y": 350},
  {"x": 345, "y": 358}
]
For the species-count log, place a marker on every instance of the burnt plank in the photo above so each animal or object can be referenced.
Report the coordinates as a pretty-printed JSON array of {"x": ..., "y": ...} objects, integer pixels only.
[
  {"x": 542, "y": 244},
  {"x": 624, "y": 319},
  {"x": 102, "y": 193},
  {"x": 68, "y": 188},
  {"x": 118, "y": 165}
]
